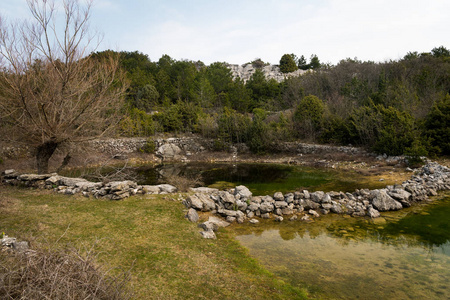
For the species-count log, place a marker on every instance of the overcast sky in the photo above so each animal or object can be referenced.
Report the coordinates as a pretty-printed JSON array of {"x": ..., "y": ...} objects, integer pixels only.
[{"x": 238, "y": 31}]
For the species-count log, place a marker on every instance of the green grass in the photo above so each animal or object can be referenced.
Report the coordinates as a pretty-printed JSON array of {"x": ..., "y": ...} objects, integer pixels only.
[{"x": 149, "y": 236}]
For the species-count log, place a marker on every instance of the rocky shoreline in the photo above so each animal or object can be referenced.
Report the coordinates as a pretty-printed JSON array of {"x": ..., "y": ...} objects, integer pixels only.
[{"x": 239, "y": 205}]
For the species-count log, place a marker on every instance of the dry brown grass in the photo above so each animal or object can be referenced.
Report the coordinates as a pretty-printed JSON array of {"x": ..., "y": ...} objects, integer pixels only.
[{"x": 57, "y": 274}]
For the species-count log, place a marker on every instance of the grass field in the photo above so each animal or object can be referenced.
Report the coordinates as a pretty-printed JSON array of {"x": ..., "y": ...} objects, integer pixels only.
[{"x": 146, "y": 236}]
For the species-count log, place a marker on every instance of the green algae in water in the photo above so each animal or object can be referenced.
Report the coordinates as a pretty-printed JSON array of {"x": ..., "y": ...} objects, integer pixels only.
[
  {"x": 261, "y": 179},
  {"x": 341, "y": 258}
]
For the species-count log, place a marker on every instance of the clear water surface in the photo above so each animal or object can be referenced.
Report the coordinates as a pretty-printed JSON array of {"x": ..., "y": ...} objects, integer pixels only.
[{"x": 404, "y": 255}]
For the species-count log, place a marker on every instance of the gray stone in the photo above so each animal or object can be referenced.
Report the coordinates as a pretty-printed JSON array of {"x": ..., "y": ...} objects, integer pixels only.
[
  {"x": 293, "y": 218},
  {"x": 326, "y": 199},
  {"x": 205, "y": 190},
  {"x": 305, "y": 218},
  {"x": 287, "y": 211},
  {"x": 327, "y": 206},
  {"x": 254, "y": 206},
  {"x": 267, "y": 199},
  {"x": 192, "y": 215},
  {"x": 265, "y": 216},
  {"x": 219, "y": 222},
  {"x": 242, "y": 192},
  {"x": 209, "y": 226},
  {"x": 88, "y": 186},
  {"x": 167, "y": 188},
  {"x": 34, "y": 177},
  {"x": 278, "y": 196},
  {"x": 226, "y": 197},
  {"x": 373, "y": 213},
  {"x": 150, "y": 189},
  {"x": 317, "y": 196},
  {"x": 253, "y": 221},
  {"x": 231, "y": 219},
  {"x": 313, "y": 213},
  {"x": 280, "y": 204},
  {"x": 208, "y": 234},
  {"x": 67, "y": 181},
  {"x": 279, "y": 219},
  {"x": 266, "y": 207},
  {"x": 383, "y": 202},
  {"x": 307, "y": 194},
  {"x": 169, "y": 151},
  {"x": 336, "y": 208}
]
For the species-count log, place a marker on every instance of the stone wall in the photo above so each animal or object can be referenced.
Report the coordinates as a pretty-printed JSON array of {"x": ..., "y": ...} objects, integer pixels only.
[{"x": 239, "y": 205}]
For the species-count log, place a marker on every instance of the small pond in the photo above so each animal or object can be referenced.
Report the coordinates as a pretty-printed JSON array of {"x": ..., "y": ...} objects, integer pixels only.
[
  {"x": 261, "y": 179},
  {"x": 404, "y": 255}
]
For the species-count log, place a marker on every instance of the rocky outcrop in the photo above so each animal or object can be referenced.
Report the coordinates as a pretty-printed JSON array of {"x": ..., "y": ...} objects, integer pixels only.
[{"x": 244, "y": 72}]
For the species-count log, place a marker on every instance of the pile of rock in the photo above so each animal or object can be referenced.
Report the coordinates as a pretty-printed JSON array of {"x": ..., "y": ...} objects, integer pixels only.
[
  {"x": 238, "y": 204},
  {"x": 12, "y": 244},
  {"x": 114, "y": 190}
]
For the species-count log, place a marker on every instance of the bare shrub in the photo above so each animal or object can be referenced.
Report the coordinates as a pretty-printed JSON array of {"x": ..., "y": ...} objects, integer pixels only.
[{"x": 57, "y": 274}]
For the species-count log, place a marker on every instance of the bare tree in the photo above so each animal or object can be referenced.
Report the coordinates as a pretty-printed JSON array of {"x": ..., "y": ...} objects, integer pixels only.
[{"x": 52, "y": 90}]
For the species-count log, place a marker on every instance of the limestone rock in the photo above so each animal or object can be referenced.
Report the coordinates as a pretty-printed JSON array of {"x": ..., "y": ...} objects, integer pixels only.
[
  {"x": 67, "y": 181},
  {"x": 383, "y": 202},
  {"x": 266, "y": 207},
  {"x": 219, "y": 222},
  {"x": 169, "y": 151},
  {"x": 203, "y": 189},
  {"x": 279, "y": 218},
  {"x": 150, "y": 189},
  {"x": 242, "y": 192},
  {"x": 208, "y": 234},
  {"x": 167, "y": 189},
  {"x": 209, "y": 226},
  {"x": 313, "y": 213},
  {"x": 192, "y": 215},
  {"x": 373, "y": 213},
  {"x": 278, "y": 196}
]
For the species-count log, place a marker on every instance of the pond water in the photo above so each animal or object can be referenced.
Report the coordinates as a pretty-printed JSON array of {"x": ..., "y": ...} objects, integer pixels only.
[
  {"x": 404, "y": 255},
  {"x": 261, "y": 179}
]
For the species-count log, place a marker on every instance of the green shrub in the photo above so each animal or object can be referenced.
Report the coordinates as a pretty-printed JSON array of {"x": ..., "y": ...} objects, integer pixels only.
[
  {"x": 381, "y": 129},
  {"x": 149, "y": 146},
  {"x": 309, "y": 117},
  {"x": 437, "y": 126}
]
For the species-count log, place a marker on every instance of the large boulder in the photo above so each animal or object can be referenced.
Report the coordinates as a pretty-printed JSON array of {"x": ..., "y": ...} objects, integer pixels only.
[
  {"x": 382, "y": 201},
  {"x": 68, "y": 181},
  {"x": 169, "y": 151},
  {"x": 167, "y": 189},
  {"x": 242, "y": 192}
]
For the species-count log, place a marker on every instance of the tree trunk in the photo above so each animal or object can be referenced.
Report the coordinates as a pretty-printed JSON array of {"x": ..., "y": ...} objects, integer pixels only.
[
  {"x": 64, "y": 163},
  {"x": 43, "y": 154}
]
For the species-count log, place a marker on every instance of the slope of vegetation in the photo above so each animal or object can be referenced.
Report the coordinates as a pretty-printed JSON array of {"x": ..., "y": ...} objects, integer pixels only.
[{"x": 395, "y": 107}]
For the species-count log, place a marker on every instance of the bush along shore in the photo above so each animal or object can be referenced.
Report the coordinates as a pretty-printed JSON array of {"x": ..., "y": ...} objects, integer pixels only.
[{"x": 239, "y": 205}]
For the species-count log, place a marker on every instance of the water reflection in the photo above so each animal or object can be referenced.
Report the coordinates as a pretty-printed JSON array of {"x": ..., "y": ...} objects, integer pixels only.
[
  {"x": 262, "y": 179},
  {"x": 406, "y": 257}
]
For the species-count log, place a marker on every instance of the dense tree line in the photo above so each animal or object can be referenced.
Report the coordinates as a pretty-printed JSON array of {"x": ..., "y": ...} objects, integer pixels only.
[{"x": 392, "y": 107}]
